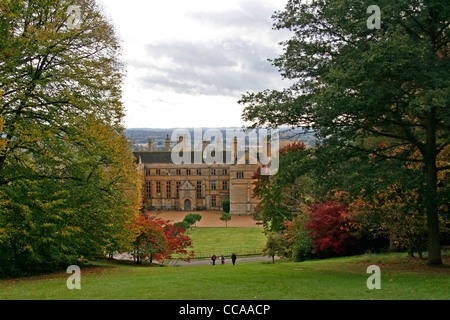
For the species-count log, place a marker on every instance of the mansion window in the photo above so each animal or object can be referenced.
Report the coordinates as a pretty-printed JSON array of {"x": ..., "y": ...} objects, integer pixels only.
[
  {"x": 158, "y": 172},
  {"x": 240, "y": 175},
  {"x": 199, "y": 172},
  {"x": 213, "y": 185},
  {"x": 148, "y": 172},
  {"x": 158, "y": 188},
  {"x": 224, "y": 172},
  {"x": 168, "y": 190},
  {"x": 199, "y": 189},
  {"x": 213, "y": 201},
  {"x": 225, "y": 185},
  {"x": 177, "y": 190},
  {"x": 149, "y": 190},
  {"x": 178, "y": 172},
  {"x": 188, "y": 172},
  {"x": 213, "y": 172}
]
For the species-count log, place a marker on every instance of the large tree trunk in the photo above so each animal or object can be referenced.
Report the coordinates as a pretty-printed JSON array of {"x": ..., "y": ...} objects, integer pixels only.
[{"x": 430, "y": 196}]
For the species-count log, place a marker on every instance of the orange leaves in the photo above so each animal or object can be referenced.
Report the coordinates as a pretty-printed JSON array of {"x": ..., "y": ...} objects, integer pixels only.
[{"x": 159, "y": 239}]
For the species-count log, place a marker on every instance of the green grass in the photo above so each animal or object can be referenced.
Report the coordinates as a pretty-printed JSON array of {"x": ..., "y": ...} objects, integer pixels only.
[
  {"x": 339, "y": 278},
  {"x": 242, "y": 241}
]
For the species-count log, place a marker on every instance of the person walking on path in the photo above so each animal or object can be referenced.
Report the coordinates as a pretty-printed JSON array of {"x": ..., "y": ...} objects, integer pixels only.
[
  {"x": 222, "y": 258},
  {"x": 213, "y": 258},
  {"x": 233, "y": 258}
]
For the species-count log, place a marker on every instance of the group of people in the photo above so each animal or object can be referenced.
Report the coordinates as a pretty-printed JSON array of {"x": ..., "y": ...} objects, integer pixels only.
[{"x": 222, "y": 259}]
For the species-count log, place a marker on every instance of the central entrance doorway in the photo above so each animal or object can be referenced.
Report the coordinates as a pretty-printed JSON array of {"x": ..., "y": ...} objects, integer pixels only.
[{"x": 187, "y": 205}]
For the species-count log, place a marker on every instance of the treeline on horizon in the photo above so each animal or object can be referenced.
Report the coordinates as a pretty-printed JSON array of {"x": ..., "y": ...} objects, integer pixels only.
[{"x": 139, "y": 136}]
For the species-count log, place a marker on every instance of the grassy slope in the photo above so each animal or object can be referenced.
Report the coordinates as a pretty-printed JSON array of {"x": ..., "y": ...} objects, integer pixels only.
[
  {"x": 341, "y": 278},
  {"x": 209, "y": 241}
]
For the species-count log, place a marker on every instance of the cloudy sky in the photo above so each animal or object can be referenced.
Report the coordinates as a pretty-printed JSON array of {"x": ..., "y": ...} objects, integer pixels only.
[{"x": 189, "y": 62}]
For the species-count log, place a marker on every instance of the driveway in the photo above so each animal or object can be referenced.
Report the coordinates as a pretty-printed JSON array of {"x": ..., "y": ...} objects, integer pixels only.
[{"x": 210, "y": 219}]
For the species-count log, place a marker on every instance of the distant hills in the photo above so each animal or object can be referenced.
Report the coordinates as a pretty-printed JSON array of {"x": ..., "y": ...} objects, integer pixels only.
[{"x": 139, "y": 136}]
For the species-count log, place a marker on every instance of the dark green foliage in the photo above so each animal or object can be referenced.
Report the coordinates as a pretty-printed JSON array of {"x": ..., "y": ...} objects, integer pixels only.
[
  {"x": 192, "y": 218},
  {"x": 368, "y": 94},
  {"x": 183, "y": 224},
  {"x": 226, "y": 205},
  {"x": 275, "y": 246},
  {"x": 68, "y": 181}
]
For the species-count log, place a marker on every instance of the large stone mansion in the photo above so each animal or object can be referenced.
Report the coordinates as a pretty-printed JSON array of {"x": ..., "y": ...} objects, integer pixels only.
[{"x": 195, "y": 187}]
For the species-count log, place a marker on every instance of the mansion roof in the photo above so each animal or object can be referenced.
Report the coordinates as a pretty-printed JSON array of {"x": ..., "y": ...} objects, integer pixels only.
[{"x": 165, "y": 157}]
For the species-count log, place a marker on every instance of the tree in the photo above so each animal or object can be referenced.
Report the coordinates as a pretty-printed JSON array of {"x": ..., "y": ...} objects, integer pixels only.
[
  {"x": 178, "y": 242},
  {"x": 190, "y": 219},
  {"x": 150, "y": 240},
  {"x": 276, "y": 245},
  {"x": 68, "y": 182},
  {"x": 332, "y": 232},
  {"x": 3, "y": 141},
  {"x": 183, "y": 224},
  {"x": 282, "y": 194},
  {"x": 297, "y": 236},
  {"x": 159, "y": 239},
  {"x": 193, "y": 218},
  {"x": 352, "y": 83},
  {"x": 226, "y": 205},
  {"x": 397, "y": 213},
  {"x": 198, "y": 218},
  {"x": 226, "y": 216}
]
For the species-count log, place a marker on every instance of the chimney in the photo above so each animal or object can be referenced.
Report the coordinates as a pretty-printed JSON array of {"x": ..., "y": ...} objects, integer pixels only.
[
  {"x": 167, "y": 143},
  {"x": 183, "y": 141},
  {"x": 186, "y": 141},
  {"x": 219, "y": 144},
  {"x": 150, "y": 144}
]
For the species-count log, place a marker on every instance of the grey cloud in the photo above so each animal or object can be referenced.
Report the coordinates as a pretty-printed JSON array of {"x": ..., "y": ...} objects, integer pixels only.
[
  {"x": 251, "y": 13},
  {"x": 207, "y": 54},
  {"x": 215, "y": 68},
  {"x": 229, "y": 66}
]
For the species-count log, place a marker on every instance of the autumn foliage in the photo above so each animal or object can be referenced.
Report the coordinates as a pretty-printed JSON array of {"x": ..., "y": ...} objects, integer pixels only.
[
  {"x": 157, "y": 239},
  {"x": 331, "y": 229},
  {"x": 292, "y": 147}
]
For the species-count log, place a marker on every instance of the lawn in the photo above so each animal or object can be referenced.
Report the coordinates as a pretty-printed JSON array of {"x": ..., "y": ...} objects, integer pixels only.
[
  {"x": 242, "y": 241},
  {"x": 339, "y": 278}
]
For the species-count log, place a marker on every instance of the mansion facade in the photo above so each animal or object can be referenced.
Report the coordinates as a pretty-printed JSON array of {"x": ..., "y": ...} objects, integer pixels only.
[{"x": 195, "y": 187}]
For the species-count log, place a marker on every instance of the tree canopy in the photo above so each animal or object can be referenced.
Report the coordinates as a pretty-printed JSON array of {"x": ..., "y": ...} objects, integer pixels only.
[
  {"x": 382, "y": 93},
  {"x": 68, "y": 182}
]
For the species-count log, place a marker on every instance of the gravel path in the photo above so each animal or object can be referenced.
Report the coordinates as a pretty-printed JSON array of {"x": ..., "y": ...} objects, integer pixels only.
[
  {"x": 210, "y": 219},
  {"x": 201, "y": 262},
  {"x": 227, "y": 261}
]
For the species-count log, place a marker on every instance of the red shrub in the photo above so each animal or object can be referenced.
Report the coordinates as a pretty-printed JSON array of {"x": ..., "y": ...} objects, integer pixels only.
[
  {"x": 159, "y": 239},
  {"x": 331, "y": 230}
]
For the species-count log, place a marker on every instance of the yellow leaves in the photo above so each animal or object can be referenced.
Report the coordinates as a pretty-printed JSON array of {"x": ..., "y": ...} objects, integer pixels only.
[{"x": 80, "y": 177}]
